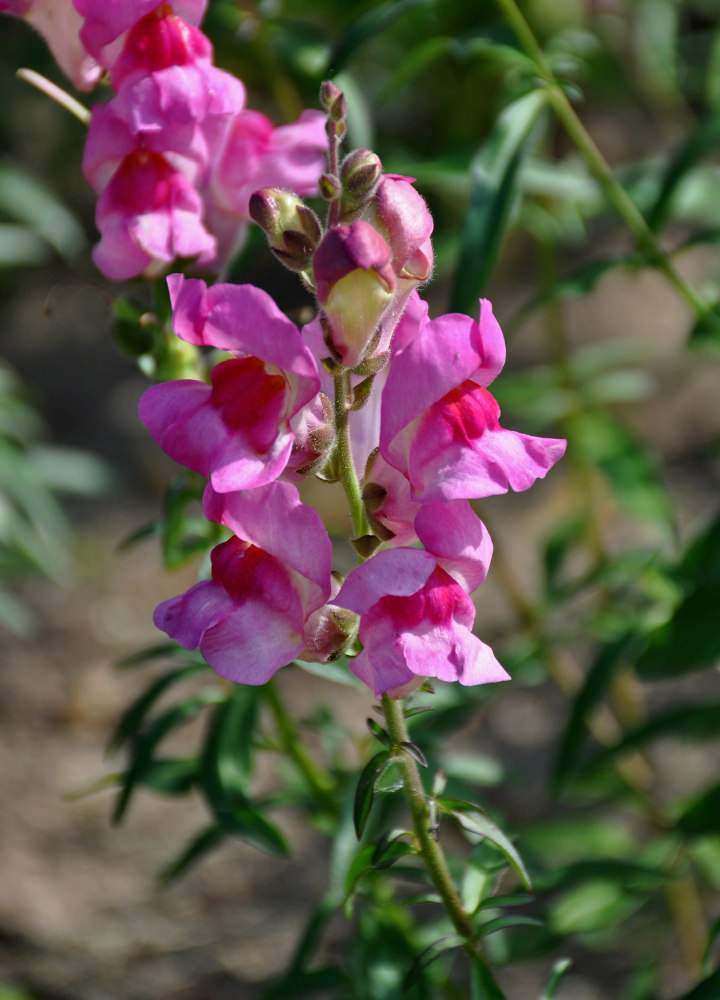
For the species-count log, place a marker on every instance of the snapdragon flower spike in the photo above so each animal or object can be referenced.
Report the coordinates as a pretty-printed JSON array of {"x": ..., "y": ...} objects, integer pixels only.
[
  {"x": 267, "y": 580},
  {"x": 59, "y": 24},
  {"x": 416, "y": 615},
  {"x": 439, "y": 424},
  {"x": 237, "y": 431},
  {"x": 148, "y": 215},
  {"x": 355, "y": 284}
]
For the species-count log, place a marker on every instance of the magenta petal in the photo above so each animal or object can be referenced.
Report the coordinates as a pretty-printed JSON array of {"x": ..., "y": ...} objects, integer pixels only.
[
  {"x": 396, "y": 572},
  {"x": 274, "y": 518},
  {"x": 381, "y": 665},
  {"x": 244, "y": 320},
  {"x": 452, "y": 654},
  {"x": 444, "y": 353},
  {"x": 454, "y": 533},
  {"x": 186, "y": 618},
  {"x": 253, "y": 642},
  {"x": 498, "y": 460}
]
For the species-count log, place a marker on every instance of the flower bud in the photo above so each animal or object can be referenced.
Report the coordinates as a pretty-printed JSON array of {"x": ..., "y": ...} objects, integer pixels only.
[
  {"x": 293, "y": 230},
  {"x": 330, "y": 186},
  {"x": 355, "y": 284},
  {"x": 359, "y": 175},
  {"x": 333, "y": 100},
  {"x": 328, "y": 630}
]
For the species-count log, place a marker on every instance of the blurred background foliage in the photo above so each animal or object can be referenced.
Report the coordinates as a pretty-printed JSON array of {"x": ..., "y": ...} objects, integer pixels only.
[{"x": 600, "y": 760}]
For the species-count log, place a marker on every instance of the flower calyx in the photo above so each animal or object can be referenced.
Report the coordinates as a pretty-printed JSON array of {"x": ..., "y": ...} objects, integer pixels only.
[{"x": 293, "y": 230}]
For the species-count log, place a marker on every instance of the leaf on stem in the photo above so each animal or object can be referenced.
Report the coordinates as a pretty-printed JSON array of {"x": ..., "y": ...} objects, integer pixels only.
[
  {"x": 493, "y": 194},
  {"x": 365, "y": 791},
  {"x": 428, "y": 956},
  {"x": 477, "y": 823}
]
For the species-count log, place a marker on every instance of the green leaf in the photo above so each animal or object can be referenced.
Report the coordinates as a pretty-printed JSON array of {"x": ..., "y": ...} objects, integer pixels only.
[
  {"x": 508, "y": 920},
  {"x": 701, "y": 814},
  {"x": 171, "y": 776},
  {"x": 705, "y": 334},
  {"x": 629, "y": 466},
  {"x": 155, "y": 652},
  {"x": 365, "y": 791},
  {"x": 226, "y": 768},
  {"x": 369, "y": 24},
  {"x": 142, "y": 753},
  {"x": 692, "y": 722},
  {"x": 475, "y": 821},
  {"x": 378, "y": 732},
  {"x": 428, "y": 956},
  {"x": 204, "y": 842},
  {"x": 132, "y": 718},
  {"x": 29, "y": 201},
  {"x": 297, "y": 980},
  {"x": 591, "y": 906},
  {"x": 493, "y": 193},
  {"x": 482, "y": 983},
  {"x": 609, "y": 660},
  {"x": 510, "y": 899},
  {"x": 689, "y": 641},
  {"x": 708, "y": 989},
  {"x": 558, "y": 971},
  {"x": 625, "y": 874},
  {"x": 701, "y": 141}
]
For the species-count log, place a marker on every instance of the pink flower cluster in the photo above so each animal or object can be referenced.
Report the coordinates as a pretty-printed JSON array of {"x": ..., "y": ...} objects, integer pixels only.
[
  {"x": 428, "y": 437},
  {"x": 175, "y": 154}
]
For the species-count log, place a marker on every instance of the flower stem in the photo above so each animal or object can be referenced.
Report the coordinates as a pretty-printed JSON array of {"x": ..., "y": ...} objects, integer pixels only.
[
  {"x": 348, "y": 473},
  {"x": 56, "y": 93},
  {"x": 430, "y": 849},
  {"x": 598, "y": 165},
  {"x": 320, "y": 783}
]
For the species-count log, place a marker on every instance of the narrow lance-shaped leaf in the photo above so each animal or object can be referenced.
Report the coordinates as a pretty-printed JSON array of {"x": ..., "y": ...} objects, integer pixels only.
[
  {"x": 702, "y": 141},
  {"x": 201, "y": 844},
  {"x": 482, "y": 983},
  {"x": 597, "y": 682},
  {"x": 365, "y": 791},
  {"x": 692, "y": 722},
  {"x": 474, "y": 821},
  {"x": 493, "y": 193},
  {"x": 428, "y": 956},
  {"x": 155, "y": 732},
  {"x": 132, "y": 718},
  {"x": 369, "y": 24}
]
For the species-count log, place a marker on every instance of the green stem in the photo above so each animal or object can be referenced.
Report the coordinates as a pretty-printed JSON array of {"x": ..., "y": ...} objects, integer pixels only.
[
  {"x": 348, "y": 473},
  {"x": 598, "y": 165},
  {"x": 430, "y": 850},
  {"x": 318, "y": 781}
]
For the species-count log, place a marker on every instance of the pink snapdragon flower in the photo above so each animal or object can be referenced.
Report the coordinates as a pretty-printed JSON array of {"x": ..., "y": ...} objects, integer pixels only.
[
  {"x": 168, "y": 88},
  {"x": 439, "y": 424},
  {"x": 416, "y": 615},
  {"x": 267, "y": 580},
  {"x": 59, "y": 24},
  {"x": 237, "y": 431},
  {"x": 106, "y": 22},
  {"x": 148, "y": 215},
  {"x": 355, "y": 284}
]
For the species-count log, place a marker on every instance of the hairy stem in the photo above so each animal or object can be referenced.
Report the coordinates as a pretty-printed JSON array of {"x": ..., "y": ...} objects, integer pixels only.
[{"x": 430, "y": 850}]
